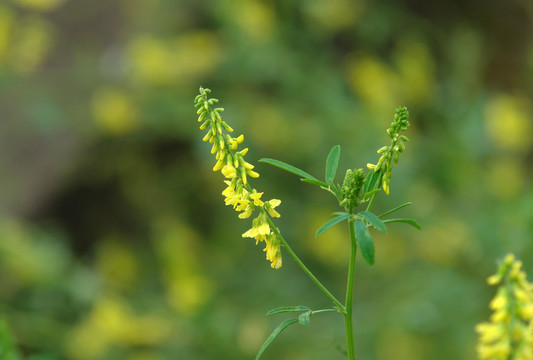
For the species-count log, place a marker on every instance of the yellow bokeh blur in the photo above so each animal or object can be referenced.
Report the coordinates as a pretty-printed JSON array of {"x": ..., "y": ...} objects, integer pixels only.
[
  {"x": 113, "y": 322},
  {"x": 505, "y": 177},
  {"x": 7, "y": 22},
  {"x": 509, "y": 122},
  {"x": 179, "y": 249},
  {"x": 114, "y": 111},
  {"x": 333, "y": 15},
  {"x": 117, "y": 264},
  {"x": 256, "y": 20},
  {"x": 40, "y": 5},
  {"x": 181, "y": 59},
  {"x": 373, "y": 81}
]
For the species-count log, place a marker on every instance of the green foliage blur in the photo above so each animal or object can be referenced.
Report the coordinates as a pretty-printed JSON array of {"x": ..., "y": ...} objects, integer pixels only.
[{"x": 114, "y": 239}]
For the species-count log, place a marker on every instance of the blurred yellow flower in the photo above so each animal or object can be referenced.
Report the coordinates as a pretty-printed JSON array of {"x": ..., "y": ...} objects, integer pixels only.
[
  {"x": 333, "y": 15},
  {"x": 114, "y": 111},
  {"x": 508, "y": 121},
  {"x": 32, "y": 42},
  {"x": 180, "y": 253},
  {"x": 159, "y": 62},
  {"x": 256, "y": 19},
  {"x": 373, "y": 80},
  {"x": 505, "y": 177},
  {"x": 117, "y": 264},
  {"x": 113, "y": 322},
  {"x": 7, "y": 23},
  {"x": 415, "y": 67},
  {"x": 509, "y": 334},
  {"x": 40, "y": 5}
]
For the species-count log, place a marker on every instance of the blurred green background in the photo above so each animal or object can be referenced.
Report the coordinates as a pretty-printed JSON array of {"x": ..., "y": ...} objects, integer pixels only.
[{"x": 114, "y": 239}]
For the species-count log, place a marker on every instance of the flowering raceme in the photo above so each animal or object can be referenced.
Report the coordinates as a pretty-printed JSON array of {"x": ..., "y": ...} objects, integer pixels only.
[
  {"x": 509, "y": 334},
  {"x": 391, "y": 154},
  {"x": 236, "y": 170}
]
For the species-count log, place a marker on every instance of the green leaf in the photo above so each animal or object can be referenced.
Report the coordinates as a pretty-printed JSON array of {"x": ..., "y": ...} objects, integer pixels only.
[
  {"x": 336, "y": 190},
  {"x": 407, "y": 221},
  {"x": 332, "y": 162},
  {"x": 396, "y": 209},
  {"x": 374, "y": 221},
  {"x": 332, "y": 223},
  {"x": 370, "y": 181},
  {"x": 340, "y": 213},
  {"x": 365, "y": 241},
  {"x": 275, "y": 333},
  {"x": 369, "y": 194},
  {"x": 316, "y": 182},
  {"x": 305, "y": 318},
  {"x": 285, "y": 309},
  {"x": 288, "y": 168}
]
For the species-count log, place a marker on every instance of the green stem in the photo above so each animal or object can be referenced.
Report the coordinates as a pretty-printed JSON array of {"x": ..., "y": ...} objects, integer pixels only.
[
  {"x": 304, "y": 268},
  {"x": 348, "y": 322}
]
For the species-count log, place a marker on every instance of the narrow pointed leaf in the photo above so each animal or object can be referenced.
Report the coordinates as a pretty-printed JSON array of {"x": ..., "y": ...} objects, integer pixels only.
[
  {"x": 316, "y": 182},
  {"x": 332, "y": 162},
  {"x": 371, "y": 180},
  {"x": 407, "y": 221},
  {"x": 374, "y": 221},
  {"x": 285, "y": 309},
  {"x": 275, "y": 333},
  {"x": 395, "y": 209},
  {"x": 369, "y": 194},
  {"x": 364, "y": 240},
  {"x": 288, "y": 168},
  {"x": 332, "y": 223},
  {"x": 305, "y": 318},
  {"x": 340, "y": 213}
]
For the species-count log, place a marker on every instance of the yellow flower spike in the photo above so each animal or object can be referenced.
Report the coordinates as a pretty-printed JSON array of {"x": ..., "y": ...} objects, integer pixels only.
[
  {"x": 229, "y": 171},
  {"x": 232, "y": 165},
  {"x": 509, "y": 334},
  {"x": 256, "y": 198}
]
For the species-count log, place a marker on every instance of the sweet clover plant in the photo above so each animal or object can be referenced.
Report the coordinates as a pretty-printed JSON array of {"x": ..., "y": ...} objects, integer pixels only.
[{"x": 355, "y": 195}]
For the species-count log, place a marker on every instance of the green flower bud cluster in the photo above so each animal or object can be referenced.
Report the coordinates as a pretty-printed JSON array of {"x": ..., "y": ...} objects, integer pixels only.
[
  {"x": 509, "y": 334},
  {"x": 391, "y": 154},
  {"x": 351, "y": 188}
]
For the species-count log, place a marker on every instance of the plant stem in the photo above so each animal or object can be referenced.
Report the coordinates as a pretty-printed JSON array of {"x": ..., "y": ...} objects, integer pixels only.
[
  {"x": 304, "y": 268},
  {"x": 348, "y": 322}
]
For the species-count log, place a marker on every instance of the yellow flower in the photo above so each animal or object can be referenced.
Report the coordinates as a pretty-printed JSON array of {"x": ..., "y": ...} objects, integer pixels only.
[
  {"x": 229, "y": 171},
  {"x": 273, "y": 251},
  {"x": 256, "y": 198},
  {"x": 509, "y": 332}
]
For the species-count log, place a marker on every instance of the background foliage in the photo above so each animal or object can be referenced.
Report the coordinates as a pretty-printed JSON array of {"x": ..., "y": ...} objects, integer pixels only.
[{"x": 114, "y": 239}]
